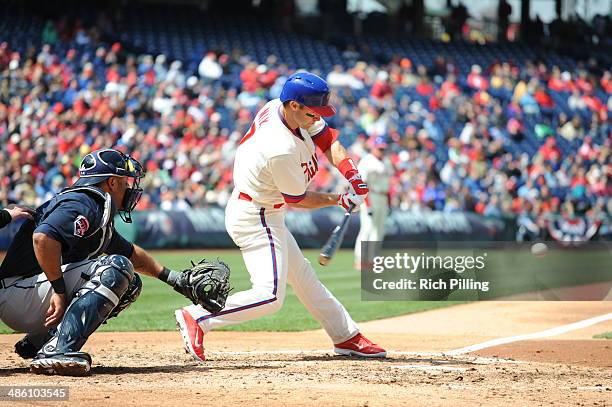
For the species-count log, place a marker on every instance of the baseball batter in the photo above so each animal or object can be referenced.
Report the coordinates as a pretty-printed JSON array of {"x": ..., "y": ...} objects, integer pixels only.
[
  {"x": 376, "y": 169},
  {"x": 275, "y": 162}
]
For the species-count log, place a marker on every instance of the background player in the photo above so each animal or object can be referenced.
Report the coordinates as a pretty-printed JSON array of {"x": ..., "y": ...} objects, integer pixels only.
[
  {"x": 376, "y": 169},
  {"x": 275, "y": 162},
  {"x": 53, "y": 263}
]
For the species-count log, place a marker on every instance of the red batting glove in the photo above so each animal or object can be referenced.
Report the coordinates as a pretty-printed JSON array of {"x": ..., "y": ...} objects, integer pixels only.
[
  {"x": 359, "y": 186},
  {"x": 348, "y": 169},
  {"x": 347, "y": 199}
]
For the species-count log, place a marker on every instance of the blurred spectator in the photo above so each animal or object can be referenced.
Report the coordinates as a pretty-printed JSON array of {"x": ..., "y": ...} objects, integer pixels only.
[
  {"x": 209, "y": 68},
  {"x": 49, "y": 34},
  {"x": 381, "y": 87},
  {"x": 461, "y": 141},
  {"x": 476, "y": 80}
]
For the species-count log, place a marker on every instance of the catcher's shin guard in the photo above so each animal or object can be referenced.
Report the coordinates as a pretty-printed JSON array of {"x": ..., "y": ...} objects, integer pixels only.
[
  {"x": 130, "y": 296},
  {"x": 91, "y": 306}
]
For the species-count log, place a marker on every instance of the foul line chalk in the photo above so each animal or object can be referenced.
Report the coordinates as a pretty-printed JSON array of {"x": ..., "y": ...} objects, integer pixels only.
[{"x": 536, "y": 335}]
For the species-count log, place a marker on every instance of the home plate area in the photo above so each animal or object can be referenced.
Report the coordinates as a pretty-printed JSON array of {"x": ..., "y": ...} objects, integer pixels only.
[{"x": 429, "y": 363}]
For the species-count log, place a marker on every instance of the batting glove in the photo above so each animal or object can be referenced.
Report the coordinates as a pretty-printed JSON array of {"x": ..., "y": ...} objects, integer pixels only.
[
  {"x": 347, "y": 199},
  {"x": 359, "y": 186}
]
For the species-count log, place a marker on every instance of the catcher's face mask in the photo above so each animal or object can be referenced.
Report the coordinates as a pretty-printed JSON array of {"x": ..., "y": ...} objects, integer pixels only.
[
  {"x": 133, "y": 193},
  {"x": 100, "y": 165}
]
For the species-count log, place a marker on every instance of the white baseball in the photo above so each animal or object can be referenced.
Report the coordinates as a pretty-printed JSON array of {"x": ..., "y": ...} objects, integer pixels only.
[{"x": 539, "y": 249}]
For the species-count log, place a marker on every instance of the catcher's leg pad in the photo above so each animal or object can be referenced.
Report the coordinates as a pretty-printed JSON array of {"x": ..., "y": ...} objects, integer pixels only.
[
  {"x": 130, "y": 296},
  {"x": 92, "y": 304}
]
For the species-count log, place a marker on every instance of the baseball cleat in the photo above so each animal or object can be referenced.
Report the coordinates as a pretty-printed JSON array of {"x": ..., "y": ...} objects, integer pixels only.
[
  {"x": 192, "y": 334},
  {"x": 359, "y": 345},
  {"x": 26, "y": 349},
  {"x": 67, "y": 364}
]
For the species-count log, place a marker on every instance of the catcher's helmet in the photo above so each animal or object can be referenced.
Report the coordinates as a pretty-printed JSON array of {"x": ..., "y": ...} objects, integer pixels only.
[
  {"x": 99, "y": 165},
  {"x": 309, "y": 90}
]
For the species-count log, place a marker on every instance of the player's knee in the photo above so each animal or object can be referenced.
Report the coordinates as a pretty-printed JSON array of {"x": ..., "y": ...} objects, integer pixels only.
[
  {"x": 273, "y": 300},
  {"x": 276, "y": 305},
  {"x": 130, "y": 296},
  {"x": 116, "y": 273}
]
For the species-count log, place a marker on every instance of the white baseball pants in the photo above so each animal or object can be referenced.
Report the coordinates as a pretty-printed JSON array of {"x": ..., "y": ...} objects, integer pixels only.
[
  {"x": 272, "y": 259},
  {"x": 372, "y": 223}
]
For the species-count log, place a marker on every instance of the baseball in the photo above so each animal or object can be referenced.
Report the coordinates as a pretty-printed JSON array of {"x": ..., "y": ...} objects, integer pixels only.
[{"x": 539, "y": 249}]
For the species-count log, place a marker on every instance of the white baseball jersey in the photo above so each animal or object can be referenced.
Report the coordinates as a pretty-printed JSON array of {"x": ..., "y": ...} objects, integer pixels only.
[
  {"x": 273, "y": 163},
  {"x": 374, "y": 213},
  {"x": 376, "y": 173}
]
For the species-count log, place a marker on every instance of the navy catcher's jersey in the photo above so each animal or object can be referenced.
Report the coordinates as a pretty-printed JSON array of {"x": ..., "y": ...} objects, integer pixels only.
[{"x": 81, "y": 219}]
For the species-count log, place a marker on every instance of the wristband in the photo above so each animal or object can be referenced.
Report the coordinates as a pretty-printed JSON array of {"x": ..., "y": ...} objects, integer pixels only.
[
  {"x": 59, "y": 285},
  {"x": 347, "y": 168},
  {"x": 169, "y": 276},
  {"x": 163, "y": 276}
]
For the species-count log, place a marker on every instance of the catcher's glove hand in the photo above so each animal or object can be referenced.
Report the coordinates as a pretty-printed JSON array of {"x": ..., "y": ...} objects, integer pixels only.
[{"x": 205, "y": 283}]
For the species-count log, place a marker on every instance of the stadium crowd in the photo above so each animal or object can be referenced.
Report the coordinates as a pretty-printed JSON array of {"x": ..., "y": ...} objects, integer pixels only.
[{"x": 183, "y": 126}]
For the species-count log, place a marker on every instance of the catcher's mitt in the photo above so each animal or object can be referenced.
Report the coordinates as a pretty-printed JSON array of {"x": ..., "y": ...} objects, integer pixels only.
[{"x": 205, "y": 283}]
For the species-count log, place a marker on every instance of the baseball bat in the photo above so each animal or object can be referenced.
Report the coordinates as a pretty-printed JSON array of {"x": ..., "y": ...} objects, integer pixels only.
[{"x": 335, "y": 240}]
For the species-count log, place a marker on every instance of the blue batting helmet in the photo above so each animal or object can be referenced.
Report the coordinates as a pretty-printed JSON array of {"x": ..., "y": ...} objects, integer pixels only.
[{"x": 309, "y": 90}]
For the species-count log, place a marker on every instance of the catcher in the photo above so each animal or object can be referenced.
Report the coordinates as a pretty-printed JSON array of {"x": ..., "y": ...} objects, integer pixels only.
[{"x": 68, "y": 270}]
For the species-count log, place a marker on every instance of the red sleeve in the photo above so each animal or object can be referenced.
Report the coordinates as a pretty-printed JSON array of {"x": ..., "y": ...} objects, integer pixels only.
[{"x": 325, "y": 138}]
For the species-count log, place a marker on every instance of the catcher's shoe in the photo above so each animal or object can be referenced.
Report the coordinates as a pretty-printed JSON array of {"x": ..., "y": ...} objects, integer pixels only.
[
  {"x": 65, "y": 364},
  {"x": 359, "y": 345},
  {"x": 26, "y": 349},
  {"x": 29, "y": 346},
  {"x": 193, "y": 336}
]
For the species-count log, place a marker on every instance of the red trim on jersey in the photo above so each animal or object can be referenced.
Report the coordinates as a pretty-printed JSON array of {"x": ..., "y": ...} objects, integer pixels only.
[
  {"x": 293, "y": 198},
  {"x": 261, "y": 117},
  {"x": 325, "y": 138},
  {"x": 249, "y": 134}
]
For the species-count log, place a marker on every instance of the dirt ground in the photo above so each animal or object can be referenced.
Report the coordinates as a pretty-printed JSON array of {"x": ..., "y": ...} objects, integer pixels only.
[{"x": 151, "y": 368}]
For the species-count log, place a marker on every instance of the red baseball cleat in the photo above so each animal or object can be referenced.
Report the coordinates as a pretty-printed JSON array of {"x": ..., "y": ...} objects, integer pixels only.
[
  {"x": 359, "y": 345},
  {"x": 192, "y": 334}
]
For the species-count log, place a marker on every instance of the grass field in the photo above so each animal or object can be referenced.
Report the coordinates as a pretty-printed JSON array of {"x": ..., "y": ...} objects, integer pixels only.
[
  {"x": 154, "y": 310},
  {"x": 605, "y": 335}
]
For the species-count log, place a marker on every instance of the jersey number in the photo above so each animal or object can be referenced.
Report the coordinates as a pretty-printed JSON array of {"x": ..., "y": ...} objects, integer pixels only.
[{"x": 261, "y": 118}]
